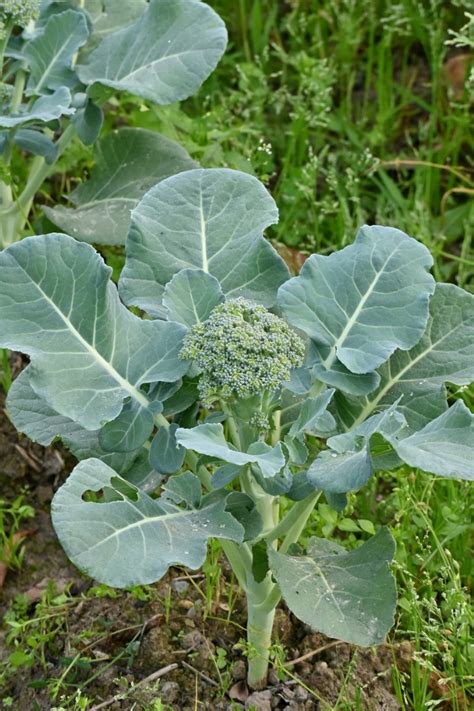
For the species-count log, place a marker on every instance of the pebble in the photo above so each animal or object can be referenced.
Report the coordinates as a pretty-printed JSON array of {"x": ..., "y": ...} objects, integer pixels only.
[
  {"x": 169, "y": 692},
  {"x": 180, "y": 586},
  {"x": 260, "y": 700}
]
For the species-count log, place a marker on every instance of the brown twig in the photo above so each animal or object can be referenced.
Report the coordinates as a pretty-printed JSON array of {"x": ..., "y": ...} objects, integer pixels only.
[
  {"x": 147, "y": 680},
  {"x": 200, "y": 673},
  {"x": 308, "y": 655}
]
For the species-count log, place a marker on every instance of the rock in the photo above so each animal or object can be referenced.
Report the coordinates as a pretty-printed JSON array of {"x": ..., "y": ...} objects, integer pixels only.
[
  {"x": 273, "y": 679},
  {"x": 180, "y": 586},
  {"x": 260, "y": 701},
  {"x": 239, "y": 670},
  {"x": 169, "y": 692}
]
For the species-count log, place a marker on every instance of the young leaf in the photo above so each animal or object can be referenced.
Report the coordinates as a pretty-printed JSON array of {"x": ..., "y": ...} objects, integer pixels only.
[
  {"x": 88, "y": 352},
  {"x": 191, "y": 295},
  {"x": 45, "y": 109},
  {"x": 164, "y": 56},
  {"x": 339, "y": 473},
  {"x": 209, "y": 439},
  {"x": 129, "y": 430},
  {"x": 88, "y": 122},
  {"x": 211, "y": 220},
  {"x": 133, "y": 540},
  {"x": 444, "y": 446},
  {"x": 128, "y": 163},
  {"x": 183, "y": 488},
  {"x": 36, "y": 143},
  {"x": 50, "y": 53},
  {"x": 445, "y": 353},
  {"x": 346, "y": 595},
  {"x": 166, "y": 456},
  {"x": 313, "y": 416},
  {"x": 342, "y": 301}
]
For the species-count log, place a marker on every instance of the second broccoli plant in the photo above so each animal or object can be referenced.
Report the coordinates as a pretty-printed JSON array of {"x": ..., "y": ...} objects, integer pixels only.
[{"x": 243, "y": 398}]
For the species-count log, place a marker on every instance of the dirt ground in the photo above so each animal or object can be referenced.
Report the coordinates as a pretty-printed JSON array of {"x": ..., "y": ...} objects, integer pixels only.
[{"x": 170, "y": 645}]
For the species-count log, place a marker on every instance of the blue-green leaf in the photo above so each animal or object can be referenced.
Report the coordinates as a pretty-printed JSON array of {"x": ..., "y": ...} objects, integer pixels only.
[
  {"x": 88, "y": 122},
  {"x": 415, "y": 378},
  {"x": 133, "y": 539},
  {"x": 363, "y": 302},
  {"x": 346, "y": 595},
  {"x": 129, "y": 430},
  {"x": 340, "y": 472},
  {"x": 444, "y": 446},
  {"x": 44, "y": 109},
  {"x": 209, "y": 439},
  {"x": 128, "y": 163},
  {"x": 50, "y": 53},
  {"x": 191, "y": 295},
  {"x": 88, "y": 352},
  {"x": 164, "y": 56},
  {"x": 36, "y": 143},
  {"x": 166, "y": 455},
  {"x": 211, "y": 220}
]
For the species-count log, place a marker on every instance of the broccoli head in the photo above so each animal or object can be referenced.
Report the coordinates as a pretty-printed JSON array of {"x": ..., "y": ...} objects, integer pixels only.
[
  {"x": 242, "y": 350},
  {"x": 18, "y": 12}
]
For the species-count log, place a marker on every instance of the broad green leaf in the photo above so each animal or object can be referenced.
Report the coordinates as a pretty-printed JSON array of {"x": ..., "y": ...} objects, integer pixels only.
[
  {"x": 340, "y": 472},
  {"x": 36, "y": 143},
  {"x": 50, "y": 53},
  {"x": 44, "y": 109},
  {"x": 164, "y": 56},
  {"x": 445, "y": 446},
  {"x": 129, "y": 430},
  {"x": 34, "y": 417},
  {"x": 338, "y": 376},
  {"x": 243, "y": 509},
  {"x": 209, "y": 439},
  {"x": 211, "y": 220},
  {"x": 109, "y": 16},
  {"x": 132, "y": 540},
  {"x": 128, "y": 163},
  {"x": 224, "y": 475},
  {"x": 88, "y": 353},
  {"x": 166, "y": 456},
  {"x": 313, "y": 416},
  {"x": 88, "y": 122},
  {"x": 346, "y": 595},
  {"x": 362, "y": 302},
  {"x": 444, "y": 354},
  {"x": 183, "y": 488},
  {"x": 191, "y": 295}
]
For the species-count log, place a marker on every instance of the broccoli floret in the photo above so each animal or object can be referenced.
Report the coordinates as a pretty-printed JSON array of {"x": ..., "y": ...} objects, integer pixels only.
[
  {"x": 242, "y": 350},
  {"x": 18, "y": 12}
]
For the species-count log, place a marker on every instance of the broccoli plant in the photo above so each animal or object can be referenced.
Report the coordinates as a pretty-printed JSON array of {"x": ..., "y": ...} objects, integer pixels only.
[
  {"x": 60, "y": 61},
  {"x": 240, "y": 399}
]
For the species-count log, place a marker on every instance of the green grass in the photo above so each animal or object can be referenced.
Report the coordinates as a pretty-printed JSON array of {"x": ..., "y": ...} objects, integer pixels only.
[
  {"x": 321, "y": 101},
  {"x": 344, "y": 110}
]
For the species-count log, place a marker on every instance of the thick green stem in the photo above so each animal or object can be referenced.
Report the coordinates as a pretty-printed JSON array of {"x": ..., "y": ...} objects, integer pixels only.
[{"x": 259, "y": 632}]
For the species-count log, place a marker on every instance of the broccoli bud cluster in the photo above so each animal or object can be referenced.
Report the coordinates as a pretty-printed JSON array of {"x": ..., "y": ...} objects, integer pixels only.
[
  {"x": 241, "y": 350},
  {"x": 18, "y": 12}
]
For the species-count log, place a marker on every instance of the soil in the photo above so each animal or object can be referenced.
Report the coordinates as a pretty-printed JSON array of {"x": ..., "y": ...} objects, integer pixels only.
[{"x": 168, "y": 635}]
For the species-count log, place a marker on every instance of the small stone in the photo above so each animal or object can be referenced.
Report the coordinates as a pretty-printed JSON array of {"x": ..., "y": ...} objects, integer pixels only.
[
  {"x": 321, "y": 667},
  {"x": 300, "y": 693},
  {"x": 273, "y": 679},
  {"x": 169, "y": 692},
  {"x": 239, "y": 670},
  {"x": 260, "y": 700},
  {"x": 180, "y": 586}
]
